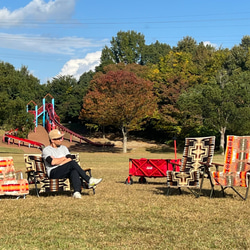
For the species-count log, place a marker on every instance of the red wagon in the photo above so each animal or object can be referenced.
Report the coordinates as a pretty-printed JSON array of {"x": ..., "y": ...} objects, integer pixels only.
[{"x": 150, "y": 168}]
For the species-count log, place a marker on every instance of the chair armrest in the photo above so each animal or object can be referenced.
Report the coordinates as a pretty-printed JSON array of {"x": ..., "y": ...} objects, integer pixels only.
[
  {"x": 217, "y": 165},
  {"x": 206, "y": 166},
  {"x": 173, "y": 164},
  {"x": 209, "y": 165}
]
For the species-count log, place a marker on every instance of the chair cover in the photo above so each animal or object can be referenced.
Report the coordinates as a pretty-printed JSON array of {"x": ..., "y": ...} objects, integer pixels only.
[{"x": 9, "y": 183}]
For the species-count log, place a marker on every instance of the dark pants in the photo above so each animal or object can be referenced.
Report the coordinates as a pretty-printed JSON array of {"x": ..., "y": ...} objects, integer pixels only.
[{"x": 72, "y": 171}]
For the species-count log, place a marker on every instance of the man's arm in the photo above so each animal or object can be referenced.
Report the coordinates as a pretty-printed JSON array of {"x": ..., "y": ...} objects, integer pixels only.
[{"x": 59, "y": 161}]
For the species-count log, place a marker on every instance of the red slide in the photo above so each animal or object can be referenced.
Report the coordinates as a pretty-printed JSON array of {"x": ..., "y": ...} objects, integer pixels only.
[
  {"x": 9, "y": 135},
  {"x": 53, "y": 115}
]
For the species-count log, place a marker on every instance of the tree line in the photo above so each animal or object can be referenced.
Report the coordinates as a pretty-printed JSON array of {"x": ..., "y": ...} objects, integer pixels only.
[{"x": 155, "y": 91}]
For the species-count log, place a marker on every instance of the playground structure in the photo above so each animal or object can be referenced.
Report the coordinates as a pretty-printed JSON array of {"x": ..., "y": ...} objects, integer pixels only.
[{"x": 50, "y": 120}]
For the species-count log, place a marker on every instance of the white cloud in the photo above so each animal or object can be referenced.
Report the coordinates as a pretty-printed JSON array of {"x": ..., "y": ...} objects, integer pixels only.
[
  {"x": 76, "y": 67},
  {"x": 210, "y": 44},
  {"x": 37, "y": 11},
  {"x": 48, "y": 45}
]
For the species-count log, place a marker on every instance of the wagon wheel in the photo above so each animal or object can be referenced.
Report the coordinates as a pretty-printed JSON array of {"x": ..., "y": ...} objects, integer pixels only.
[
  {"x": 142, "y": 180},
  {"x": 129, "y": 181}
]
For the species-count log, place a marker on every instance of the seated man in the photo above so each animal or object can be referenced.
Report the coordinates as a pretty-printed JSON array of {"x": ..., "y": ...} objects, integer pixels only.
[{"x": 60, "y": 164}]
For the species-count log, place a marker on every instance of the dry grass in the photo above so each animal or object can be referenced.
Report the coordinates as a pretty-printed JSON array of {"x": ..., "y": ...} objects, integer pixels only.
[{"x": 119, "y": 216}]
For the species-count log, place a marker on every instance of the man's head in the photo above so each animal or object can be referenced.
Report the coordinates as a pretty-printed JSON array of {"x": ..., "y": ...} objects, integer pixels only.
[{"x": 55, "y": 137}]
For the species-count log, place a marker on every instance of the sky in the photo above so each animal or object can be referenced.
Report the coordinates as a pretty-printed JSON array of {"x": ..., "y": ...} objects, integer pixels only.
[{"x": 66, "y": 37}]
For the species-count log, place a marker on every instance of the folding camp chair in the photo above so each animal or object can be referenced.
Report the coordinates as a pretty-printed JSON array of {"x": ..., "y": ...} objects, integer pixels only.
[
  {"x": 36, "y": 174},
  {"x": 11, "y": 181},
  {"x": 197, "y": 152},
  {"x": 236, "y": 170}
]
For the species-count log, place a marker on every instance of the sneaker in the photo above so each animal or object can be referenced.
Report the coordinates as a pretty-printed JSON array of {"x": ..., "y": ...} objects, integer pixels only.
[
  {"x": 93, "y": 182},
  {"x": 77, "y": 195}
]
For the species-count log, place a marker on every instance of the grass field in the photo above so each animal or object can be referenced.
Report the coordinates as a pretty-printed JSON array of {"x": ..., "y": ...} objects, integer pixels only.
[{"x": 119, "y": 216}]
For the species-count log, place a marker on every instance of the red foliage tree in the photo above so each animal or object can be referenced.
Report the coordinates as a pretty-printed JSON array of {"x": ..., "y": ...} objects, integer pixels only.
[{"x": 119, "y": 98}]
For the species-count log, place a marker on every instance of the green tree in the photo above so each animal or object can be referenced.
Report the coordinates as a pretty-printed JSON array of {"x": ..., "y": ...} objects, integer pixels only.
[
  {"x": 126, "y": 47},
  {"x": 220, "y": 106},
  {"x": 85, "y": 79},
  {"x": 68, "y": 97},
  {"x": 155, "y": 51},
  {"x": 187, "y": 44},
  {"x": 245, "y": 43},
  {"x": 17, "y": 88},
  {"x": 16, "y": 117},
  {"x": 120, "y": 99}
]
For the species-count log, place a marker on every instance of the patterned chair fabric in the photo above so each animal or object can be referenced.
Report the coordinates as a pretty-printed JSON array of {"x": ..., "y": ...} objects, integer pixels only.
[
  {"x": 36, "y": 173},
  {"x": 11, "y": 181},
  {"x": 196, "y": 150},
  {"x": 236, "y": 170}
]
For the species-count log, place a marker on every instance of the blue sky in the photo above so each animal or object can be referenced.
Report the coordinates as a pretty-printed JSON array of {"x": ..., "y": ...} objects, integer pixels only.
[{"x": 66, "y": 37}]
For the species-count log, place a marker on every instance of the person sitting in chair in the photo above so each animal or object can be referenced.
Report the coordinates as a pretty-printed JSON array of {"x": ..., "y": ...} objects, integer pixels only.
[{"x": 60, "y": 164}]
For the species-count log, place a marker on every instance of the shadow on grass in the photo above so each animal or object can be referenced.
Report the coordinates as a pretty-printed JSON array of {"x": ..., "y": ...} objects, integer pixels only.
[
  {"x": 80, "y": 147},
  {"x": 160, "y": 149},
  {"x": 11, "y": 197},
  {"x": 185, "y": 191},
  {"x": 32, "y": 192},
  {"x": 136, "y": 182}
]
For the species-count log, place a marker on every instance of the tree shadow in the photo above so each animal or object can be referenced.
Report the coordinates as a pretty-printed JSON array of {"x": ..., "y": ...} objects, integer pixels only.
[
  {"x": 160, "y": 149},
  {"x": 85, "y": 147},
  {"x": 204, "y": 192}
]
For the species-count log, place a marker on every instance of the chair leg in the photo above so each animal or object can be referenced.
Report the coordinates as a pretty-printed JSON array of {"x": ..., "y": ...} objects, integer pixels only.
[
  {"x": 241, "y": 196},
  {"x": 247, "y": 187},
  {"x": 168, "y": 190},
  {"x": 196, "y": 194},
  {"x": 37, "y": 192},
  {"x": 201, "y": 185},
  {"x": 222, "y": 190},
  {"x": 212, "y": 192},
  {"x": 29, "y": 178},
  {"x": 211, "y": 183}
]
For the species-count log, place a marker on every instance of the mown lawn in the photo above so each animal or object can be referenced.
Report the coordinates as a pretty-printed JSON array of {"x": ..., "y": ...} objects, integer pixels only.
[{"x": 119, "y": 216}]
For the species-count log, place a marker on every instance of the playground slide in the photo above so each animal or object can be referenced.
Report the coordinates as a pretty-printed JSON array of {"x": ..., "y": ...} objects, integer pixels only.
[
  {"x": 52, "y": 116},
  {"x": 9, "y": 136}
]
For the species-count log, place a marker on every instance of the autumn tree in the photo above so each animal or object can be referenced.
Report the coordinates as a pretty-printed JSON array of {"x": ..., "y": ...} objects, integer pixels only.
[
  {"x": 174, "y": 73},
  {"x": 139, "y": 70},
  {"x": 120, "y": 99}
]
